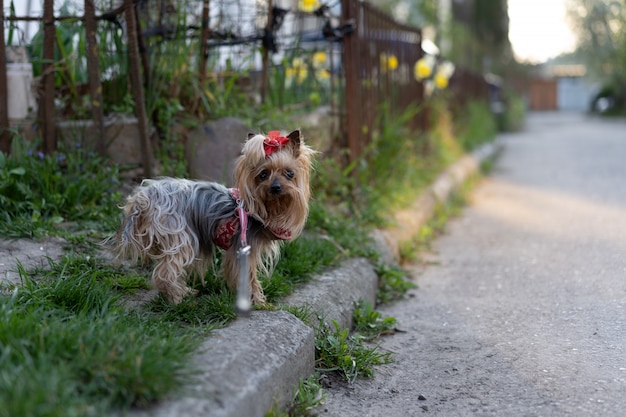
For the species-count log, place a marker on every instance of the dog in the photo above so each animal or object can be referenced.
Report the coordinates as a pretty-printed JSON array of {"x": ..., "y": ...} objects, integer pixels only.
[{"x": 179, "y": 223}]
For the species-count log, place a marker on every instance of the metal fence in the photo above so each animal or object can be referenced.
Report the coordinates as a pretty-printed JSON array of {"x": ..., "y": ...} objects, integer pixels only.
[
  {"x": 368, "y": 70},
  {"x": 379, "y": 57}
]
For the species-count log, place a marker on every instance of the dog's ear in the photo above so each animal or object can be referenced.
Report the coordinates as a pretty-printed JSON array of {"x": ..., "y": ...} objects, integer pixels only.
[
  {"x": 294, "y": 142},
  {"x": 251, "y": 135}
]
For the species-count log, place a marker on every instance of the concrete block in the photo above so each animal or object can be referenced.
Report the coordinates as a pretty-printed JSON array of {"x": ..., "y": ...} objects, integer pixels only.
[
  {"x": 213, "y": 147},
  {"x": 121, "y": 135},
  {"x": 245, "y": 368},
  {"x": 332, "y": 295}
]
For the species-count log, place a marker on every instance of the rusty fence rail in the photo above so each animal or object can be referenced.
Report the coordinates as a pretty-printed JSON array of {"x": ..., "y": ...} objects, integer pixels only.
[
  {"x": 379, "y": 57},
  {"x": 375, "y": 73}
]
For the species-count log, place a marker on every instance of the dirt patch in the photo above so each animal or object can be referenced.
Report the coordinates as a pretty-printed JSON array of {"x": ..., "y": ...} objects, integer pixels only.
[{"x": 29, "y": 253}]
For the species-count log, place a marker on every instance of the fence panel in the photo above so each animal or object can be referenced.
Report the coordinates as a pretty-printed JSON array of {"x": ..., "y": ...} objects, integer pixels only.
[
  {"x": 379, "y": 57},
  {"x": 190, "y": 50}
]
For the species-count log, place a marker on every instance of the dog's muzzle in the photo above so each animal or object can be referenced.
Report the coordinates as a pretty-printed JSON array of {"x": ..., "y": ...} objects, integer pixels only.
[{"x": 275, "y": 188}]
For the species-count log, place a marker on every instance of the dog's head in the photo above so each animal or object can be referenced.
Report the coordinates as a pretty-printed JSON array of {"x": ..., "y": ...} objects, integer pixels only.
[{"x": 272, "y": 175}]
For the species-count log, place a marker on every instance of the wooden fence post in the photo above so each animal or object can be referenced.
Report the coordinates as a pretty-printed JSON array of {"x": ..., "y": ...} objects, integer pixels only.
[
  {"x": 46, "y": 94},
  {"x": 93, "y": 69},
  {"x": 350, "y": 11},
  {"x": 204, "y": 38},
  {"x": 137, "y": 88},
  {"x": 265, "y": 70},
  {"x": 5, "y": 135}
]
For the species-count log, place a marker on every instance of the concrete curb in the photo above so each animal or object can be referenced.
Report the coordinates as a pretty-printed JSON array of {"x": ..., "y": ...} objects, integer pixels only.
[
  {"x": 257, "y": 361},
  {"x": 409, "y": 221}
]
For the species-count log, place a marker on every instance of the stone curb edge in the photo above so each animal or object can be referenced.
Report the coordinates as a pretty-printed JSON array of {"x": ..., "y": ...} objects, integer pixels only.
[{"x": 257, "y": 361}]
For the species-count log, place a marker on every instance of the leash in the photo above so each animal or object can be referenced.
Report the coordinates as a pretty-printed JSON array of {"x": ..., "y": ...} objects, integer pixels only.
[{"x": 243, "y": 303}]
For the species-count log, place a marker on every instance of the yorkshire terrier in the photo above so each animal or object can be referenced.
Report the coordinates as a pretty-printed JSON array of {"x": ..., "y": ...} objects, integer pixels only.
[{"x": 178, "y": 223}]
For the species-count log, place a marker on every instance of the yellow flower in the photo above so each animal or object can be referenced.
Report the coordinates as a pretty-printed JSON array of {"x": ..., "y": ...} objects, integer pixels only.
[
  {"x": 441, "y": 81},
  {"x": 301, "y": 75},
  {"x": 297, "y": 71},
  {"x": 322, "y": 74},
  {"x": 308, "y": 6},
  {"x": 298, "y": 63},
  {"x": 388, "y": 62},
  {"x": 319, "y": 59},
  {"x": 444, "y": 72},
  {"x": 424, "y": 67}
]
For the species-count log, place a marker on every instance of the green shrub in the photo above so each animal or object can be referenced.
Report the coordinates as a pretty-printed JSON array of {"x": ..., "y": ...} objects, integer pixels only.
[
  {"x": 38, "y": 191},
  {"x": 477, "y": 125}
]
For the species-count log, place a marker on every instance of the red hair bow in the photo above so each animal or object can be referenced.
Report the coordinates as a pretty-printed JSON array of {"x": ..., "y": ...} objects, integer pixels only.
[{"x": 273, "y": 142}]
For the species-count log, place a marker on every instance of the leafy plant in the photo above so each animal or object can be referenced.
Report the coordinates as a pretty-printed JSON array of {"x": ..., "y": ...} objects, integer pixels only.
[
  {"x": 337, "y": 351},
  {"x": 477, "y": 125},
  {"x": 392, "y": 283},
  {"x": 410, "y": 250},
  {"x": 309, "y": 395},
  {"x": 370, "y": 323},
  {"x": 39, "y": 191}
]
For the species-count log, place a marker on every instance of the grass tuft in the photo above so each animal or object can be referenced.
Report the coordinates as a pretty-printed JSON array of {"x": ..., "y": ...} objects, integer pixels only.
[
  {"x": 435, "y": 227},
  {"x": 338, "y": 351},
  {"x": 371, "y": 324},
  {"x": 392, "y": 283},
  {"x": 68, "y": 348},
  {"x": 309, "y": 395},
  {"x": 39, "y": 193}
]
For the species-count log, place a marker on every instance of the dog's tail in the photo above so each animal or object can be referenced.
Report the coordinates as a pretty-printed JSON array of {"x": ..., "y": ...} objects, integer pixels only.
[{"x": 135, "y": 236}]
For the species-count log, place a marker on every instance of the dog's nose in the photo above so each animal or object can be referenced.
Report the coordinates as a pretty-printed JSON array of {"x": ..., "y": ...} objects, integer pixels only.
[{"x": 275, "y": 188}]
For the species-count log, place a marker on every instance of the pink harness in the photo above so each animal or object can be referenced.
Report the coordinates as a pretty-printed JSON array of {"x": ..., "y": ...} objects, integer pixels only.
[{"x": 227, "y": 228}]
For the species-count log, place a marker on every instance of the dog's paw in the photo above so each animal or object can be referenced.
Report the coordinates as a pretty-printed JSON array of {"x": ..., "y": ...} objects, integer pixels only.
[{"x": 258, "y": 299}]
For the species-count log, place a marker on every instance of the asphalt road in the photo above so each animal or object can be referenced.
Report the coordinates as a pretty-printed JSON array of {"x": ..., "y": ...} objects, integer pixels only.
[{"x": 522, "y": 311}]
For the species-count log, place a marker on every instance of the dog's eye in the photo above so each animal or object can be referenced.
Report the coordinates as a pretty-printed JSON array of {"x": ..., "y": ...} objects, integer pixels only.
[
  {"x": 264, "y": 175},
  {"x": 289, "y": 174}
]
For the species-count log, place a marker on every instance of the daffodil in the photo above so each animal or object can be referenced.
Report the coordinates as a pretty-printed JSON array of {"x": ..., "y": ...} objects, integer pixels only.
[
  {"x": 424, "y": 67},
  {"x": 388, "y": 62},
  {"x": 441, "y": 81},
  {"x": 308, "y": 6},
  {"x": 444, "y": 72},
  {"x": 298, "y": 71},
  {"x": 319, "y": 59},
  {"x": 322, "y": 74}
]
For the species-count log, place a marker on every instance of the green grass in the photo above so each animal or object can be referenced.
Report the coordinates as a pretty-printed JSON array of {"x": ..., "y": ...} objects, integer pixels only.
[
  {"x": 370, "y": 323},
  {"x": 69, "y": 349},
  {"x": 435, "y": 227},
  {"x": 214, "y": 305},
  {"x": 309, "y": 395},
  {"x": 392, "y": 283},
  {"x": 336, "y": 350},
  {"x": 39, "y": 193}
]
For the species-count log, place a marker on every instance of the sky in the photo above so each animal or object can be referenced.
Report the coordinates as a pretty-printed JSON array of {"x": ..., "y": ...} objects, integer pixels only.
[{"x": 538, "y": 29}]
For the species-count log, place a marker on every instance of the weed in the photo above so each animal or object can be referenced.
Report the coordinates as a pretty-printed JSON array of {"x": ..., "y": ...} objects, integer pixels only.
[
  {"x": 410, "y": 250},
  {"x": 300, "y": 259},
  {"x": 337, "y": 351},
  {"x": 309, "y": 395},
  {"x": 392, "y": 283},
  {"x": 477, "y": 125},
  {"x": 39, "y": 191},
  {"x": 370, "y": 323},
  {"x": 349, "y": 237}
]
